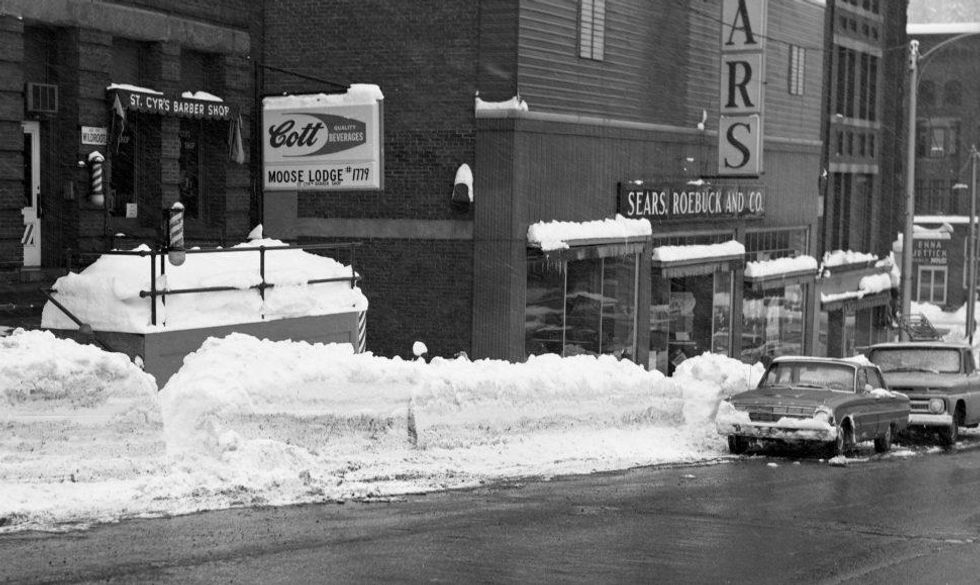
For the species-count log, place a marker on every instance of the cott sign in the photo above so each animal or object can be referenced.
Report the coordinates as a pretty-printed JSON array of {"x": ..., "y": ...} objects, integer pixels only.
[
  {"x": 743, "y": 37},
  {"x": 323, "y": 142}
]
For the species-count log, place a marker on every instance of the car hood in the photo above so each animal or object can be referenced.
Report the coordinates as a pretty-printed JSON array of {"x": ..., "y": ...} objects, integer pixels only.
[
  {"x": 923, "y": 380},
  {"x": 790, "y": 396}
]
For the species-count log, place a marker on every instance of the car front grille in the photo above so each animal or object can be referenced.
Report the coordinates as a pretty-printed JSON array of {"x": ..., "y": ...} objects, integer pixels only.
[
  {"x": 919, "y": 406},
  {"x": 774, "y": 413}
]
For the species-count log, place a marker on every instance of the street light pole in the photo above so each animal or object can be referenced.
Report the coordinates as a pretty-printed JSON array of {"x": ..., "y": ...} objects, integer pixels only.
[
  {"x": 971, "y": 270},
  {"x": 909, "y": 189},
  {"x": 914, "y": 59}
]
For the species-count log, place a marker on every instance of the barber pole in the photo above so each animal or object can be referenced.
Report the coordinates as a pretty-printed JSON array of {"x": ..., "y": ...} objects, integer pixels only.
[
  {"x": 175, "y": 246},
  {"x": 362, "y": 332},
  {"x": 96, "y": 193}
]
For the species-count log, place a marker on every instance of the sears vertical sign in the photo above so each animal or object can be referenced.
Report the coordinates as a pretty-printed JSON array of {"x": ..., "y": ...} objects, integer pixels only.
[
  {"x": 321, "y": 142},
  {"x": 743, "y": 41}
]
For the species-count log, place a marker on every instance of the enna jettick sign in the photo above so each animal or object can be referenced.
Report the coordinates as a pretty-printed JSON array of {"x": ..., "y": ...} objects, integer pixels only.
[{"x": 321, "y": 143}]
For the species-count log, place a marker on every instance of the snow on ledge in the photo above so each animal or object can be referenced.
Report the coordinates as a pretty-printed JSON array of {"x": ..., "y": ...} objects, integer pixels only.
[
  {"x": 513, "y": 104},
  {"x": 677, "y": 253},
  {"x": 555, "y": 235},
  {"x": 780, "y": 266},
  {"x": 128, "y": 87},
  {"x": 201, "y": 95},
  {"x": 356, "y": 94},
  {"x": 843, "y": 257}
]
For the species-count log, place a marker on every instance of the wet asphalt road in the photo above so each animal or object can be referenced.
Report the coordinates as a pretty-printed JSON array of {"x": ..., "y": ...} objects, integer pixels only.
[{"x": 765, "y": 519}]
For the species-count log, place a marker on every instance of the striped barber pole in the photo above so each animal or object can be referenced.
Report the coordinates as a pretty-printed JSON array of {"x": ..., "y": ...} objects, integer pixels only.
[
  {"x": 361, "y": 331},
  {"x": 95, "y": 160}
]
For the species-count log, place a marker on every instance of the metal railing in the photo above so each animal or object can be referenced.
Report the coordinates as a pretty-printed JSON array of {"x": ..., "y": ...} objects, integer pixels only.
[{"x": 155, "y": 293}]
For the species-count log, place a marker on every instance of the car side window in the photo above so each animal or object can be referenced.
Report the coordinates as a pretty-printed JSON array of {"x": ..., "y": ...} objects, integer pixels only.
[
  {"x": 875, "y": 379},
  {"x": 862, "y": 379}
]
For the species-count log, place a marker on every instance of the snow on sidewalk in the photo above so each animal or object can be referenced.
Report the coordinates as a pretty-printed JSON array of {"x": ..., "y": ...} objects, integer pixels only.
[{"x": 87, "y": 438}]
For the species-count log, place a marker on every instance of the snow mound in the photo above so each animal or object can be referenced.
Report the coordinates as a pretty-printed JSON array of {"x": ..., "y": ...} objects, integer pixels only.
[
  {"x": 59, "y": 399},
  {"x": 106, "y": 294}
]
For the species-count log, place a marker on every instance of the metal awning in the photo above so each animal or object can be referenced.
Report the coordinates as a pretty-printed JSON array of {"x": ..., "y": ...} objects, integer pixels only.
[
  {"x": 585, "y": 249},
  {"x": 852, "y": 304},
  {"x": 773, "y": 281},
  {"x": 697, "y": 266}
]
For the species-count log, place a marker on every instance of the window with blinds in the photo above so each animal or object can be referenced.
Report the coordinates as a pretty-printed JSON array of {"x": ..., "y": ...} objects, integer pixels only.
[
  {"x": 592, "y": 29},
  {"x": 797, "y": 69}
]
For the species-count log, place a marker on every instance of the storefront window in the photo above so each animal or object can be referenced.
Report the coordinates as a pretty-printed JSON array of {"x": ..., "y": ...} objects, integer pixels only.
[
  {"x": 191, "y": 137},
  {"x": 124, "y": 184},
  {"x": 773, "y": 323},
  {"x": 581, "y": 307},
  {"x": 689, "y": 316}
]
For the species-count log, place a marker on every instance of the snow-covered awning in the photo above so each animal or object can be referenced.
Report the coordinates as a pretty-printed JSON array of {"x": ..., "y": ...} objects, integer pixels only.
[
  {"x": 695, "y": 260},
  {"x": 198, "y": 105},
  {"x": 573, "y": 240},
  {"x": 851, "y": 303},
  {"x": 781, "y": 272},
  {"x": 873, "y": 290}
]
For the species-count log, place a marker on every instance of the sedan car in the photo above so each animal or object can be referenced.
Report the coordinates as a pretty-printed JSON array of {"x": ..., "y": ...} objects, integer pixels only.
[{"x": 835, "y": 402}]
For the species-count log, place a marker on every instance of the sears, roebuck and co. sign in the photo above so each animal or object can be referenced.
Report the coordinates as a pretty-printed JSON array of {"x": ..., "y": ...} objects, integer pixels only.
[
  {"x": 676, "y": 200},
  {"x": 323, "y": 142}
]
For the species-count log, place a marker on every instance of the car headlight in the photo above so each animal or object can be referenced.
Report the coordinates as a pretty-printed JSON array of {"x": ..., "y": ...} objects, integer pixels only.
[
  {"x": 824, "y": 415},
  {"x": 937, "y": 406}
]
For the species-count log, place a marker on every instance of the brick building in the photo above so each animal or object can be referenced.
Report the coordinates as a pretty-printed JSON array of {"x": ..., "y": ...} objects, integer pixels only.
[
  {"x": 121, "y": 78},
  {"x": 947, "y": 130},
  {"x": 624, "y": 98}
]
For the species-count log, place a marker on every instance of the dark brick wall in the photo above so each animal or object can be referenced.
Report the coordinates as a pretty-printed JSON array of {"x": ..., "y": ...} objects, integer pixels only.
[{"x": 417, "y": 290}]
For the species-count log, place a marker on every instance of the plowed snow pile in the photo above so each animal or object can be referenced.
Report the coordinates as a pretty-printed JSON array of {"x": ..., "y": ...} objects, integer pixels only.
[{"x": 86, "y": 437}]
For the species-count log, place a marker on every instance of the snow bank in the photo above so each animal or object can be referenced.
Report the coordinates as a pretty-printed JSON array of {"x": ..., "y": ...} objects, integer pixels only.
[
  {"x": 72, "y": 412},
  {"x": 249, "y": 421},
  {"x": 106, "y": 294}
]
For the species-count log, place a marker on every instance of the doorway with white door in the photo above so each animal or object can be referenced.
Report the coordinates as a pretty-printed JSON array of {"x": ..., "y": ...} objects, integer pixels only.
[{"x": 31, "y": 240}]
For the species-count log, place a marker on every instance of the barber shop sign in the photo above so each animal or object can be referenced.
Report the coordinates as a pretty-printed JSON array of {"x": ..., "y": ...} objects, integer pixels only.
[{"x": 743, "y": 39}]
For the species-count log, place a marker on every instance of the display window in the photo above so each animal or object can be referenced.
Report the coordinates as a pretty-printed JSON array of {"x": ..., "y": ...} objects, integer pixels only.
[
  {"x": 773, "y": 323},
  {"x": 689, "y": 315},
  {"x": 583, "y": 306}
]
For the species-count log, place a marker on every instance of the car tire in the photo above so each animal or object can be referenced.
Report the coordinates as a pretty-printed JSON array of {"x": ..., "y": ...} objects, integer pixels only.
[
  {"x": 949, "y": 435},
  {"x": 884, "y": 442},
  {"x": 737, "y": 445},
  {"x": 844, "y": 444}
]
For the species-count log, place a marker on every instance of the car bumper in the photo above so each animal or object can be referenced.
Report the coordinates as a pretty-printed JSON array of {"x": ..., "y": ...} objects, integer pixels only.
[
  {"x": 930, "y": 420},
  {"x": 761, "y": 430}
]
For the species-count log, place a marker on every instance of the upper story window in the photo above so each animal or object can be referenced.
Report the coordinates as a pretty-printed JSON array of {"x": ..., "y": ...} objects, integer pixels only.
[
  {"x": 953, "y": 93},
  {"x": 592, "y": 29},
  {"x": 797, "y": 69}
]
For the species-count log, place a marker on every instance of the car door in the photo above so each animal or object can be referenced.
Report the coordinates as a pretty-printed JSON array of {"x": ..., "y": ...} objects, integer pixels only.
[
  {"x": 864, "y": 411},
  {"x": 889, "y": 409}
]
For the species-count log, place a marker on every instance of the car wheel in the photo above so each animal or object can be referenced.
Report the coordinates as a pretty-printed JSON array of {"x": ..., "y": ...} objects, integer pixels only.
[
  {"x": 737, "y": 445},
  {"x": 884, "y": 442},
  {"x": 949, "y": 435},
  {"x": 844, "y": 443}
]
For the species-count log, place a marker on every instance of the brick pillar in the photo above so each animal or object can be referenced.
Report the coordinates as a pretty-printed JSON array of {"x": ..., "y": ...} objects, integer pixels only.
[
  {"x": 237, "y": 196},
  {"x": 169, "y": 56},
  {"x": 11, "y": 141},
  {"x": 93, "y": 51}
]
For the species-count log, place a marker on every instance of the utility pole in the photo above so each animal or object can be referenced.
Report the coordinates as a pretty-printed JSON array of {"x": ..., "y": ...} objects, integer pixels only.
[
  {"x": 971, "y": 255},
  {"x": 909, "y": 190}
]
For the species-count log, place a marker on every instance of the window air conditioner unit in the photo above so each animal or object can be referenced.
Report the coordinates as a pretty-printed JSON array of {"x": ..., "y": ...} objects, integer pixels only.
[{"x": 42, "y": 98}]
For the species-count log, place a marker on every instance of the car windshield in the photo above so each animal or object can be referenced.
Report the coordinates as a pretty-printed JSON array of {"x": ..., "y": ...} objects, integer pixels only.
[
  {"x": 809, "y": 375},
  {"x": 937, "y": 360}
]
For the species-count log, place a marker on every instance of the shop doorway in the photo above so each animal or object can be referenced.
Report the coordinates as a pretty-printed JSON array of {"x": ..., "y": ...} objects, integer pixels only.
[{"x": 31, "y": 240}]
